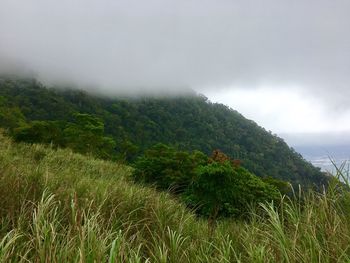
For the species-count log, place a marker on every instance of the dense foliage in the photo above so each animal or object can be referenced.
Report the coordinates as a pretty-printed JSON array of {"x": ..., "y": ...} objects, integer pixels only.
[
  {"x": 215, "y": 186},
  {"x": 222, "y": 189},
  {"x": 57, "y": 206},
  {"x": 134, "y": 125},
  {"x": 84, "y": 135},
  {"x": 167, "y": 167}
]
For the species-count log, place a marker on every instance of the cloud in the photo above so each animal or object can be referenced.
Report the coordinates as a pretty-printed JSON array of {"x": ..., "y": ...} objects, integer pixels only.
[
  {"x": 167, "y": 45},
  {"x": 287, "y": 111}
]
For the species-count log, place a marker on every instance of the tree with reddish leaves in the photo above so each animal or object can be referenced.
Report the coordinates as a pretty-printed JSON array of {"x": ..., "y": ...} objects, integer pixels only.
[{"x": 220, "y": 157}]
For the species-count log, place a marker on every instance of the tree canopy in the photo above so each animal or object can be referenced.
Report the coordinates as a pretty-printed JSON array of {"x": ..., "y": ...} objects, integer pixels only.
[
  {"x": 135, "y": 124},
  {"x": 215, "y": 186}
]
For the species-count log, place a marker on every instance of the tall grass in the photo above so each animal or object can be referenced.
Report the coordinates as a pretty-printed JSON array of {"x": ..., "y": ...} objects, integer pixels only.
[{"x": 56, "y": 206}]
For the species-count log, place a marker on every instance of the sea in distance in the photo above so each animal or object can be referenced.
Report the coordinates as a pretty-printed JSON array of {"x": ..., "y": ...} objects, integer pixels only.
[{"x": 325, "y": 157}]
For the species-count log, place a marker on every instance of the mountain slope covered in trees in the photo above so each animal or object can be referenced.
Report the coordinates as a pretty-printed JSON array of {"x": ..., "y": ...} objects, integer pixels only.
[{"x": 127, "y": 127}]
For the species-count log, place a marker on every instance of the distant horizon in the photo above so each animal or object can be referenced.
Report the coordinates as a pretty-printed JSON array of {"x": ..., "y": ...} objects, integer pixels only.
[{"x": 324, "y": 156}]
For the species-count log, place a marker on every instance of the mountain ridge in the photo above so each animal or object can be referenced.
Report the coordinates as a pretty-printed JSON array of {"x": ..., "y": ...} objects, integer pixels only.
[{"x": 187, "y": 122}]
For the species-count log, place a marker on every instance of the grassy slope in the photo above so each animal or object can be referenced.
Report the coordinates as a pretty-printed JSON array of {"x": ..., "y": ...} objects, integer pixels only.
[{"x": 56, "y": 206}]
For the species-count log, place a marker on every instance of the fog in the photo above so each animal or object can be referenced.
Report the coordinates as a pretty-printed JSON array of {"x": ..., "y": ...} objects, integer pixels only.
[{"x": 168, "y": 47}]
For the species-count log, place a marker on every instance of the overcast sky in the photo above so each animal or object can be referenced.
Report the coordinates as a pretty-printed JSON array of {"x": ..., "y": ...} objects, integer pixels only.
[{"x": 284, "y": 64}]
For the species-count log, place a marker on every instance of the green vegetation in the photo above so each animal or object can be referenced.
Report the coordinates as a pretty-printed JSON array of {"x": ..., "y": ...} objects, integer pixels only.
[
  {"x": 123, "y": 128},
  {"x": 215, "y": 186},
  {"x": 222, "y": 189},
  {"x": 167, "y": 167},
  {"x": 58, "y": 206},
  {"x": 84, "y": 135}
]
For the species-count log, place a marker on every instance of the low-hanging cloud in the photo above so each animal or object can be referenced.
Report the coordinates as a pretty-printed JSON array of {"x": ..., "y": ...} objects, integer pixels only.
[{"x": 167, "y": 45}]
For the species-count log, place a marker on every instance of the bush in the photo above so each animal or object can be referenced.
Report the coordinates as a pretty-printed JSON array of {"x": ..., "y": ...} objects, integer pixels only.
[
  {"x": 222, "y": 189},
  {"x": 85, "y": 135},
  {"x": 215, "y": 186},
  {"x": 167, "y": 167}
]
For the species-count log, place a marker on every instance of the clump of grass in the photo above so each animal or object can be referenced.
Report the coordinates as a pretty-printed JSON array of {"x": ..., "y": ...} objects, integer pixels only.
[{"x": 57, "y": 206}]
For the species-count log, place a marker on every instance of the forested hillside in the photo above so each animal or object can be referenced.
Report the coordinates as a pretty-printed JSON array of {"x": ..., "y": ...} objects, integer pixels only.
[{"x": 123, "y": 128}]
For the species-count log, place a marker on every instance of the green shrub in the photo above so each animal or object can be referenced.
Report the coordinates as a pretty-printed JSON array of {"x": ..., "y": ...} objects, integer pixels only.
[
  {"x": 222, "y": 189},
  {"x": 215, "y": 186},
  {"x": 84, "y": 135},
  {"x": 167, "y": 167}
]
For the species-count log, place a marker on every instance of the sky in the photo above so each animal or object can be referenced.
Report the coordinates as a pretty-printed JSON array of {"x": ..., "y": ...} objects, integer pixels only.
[{"x": 284, "y": 64}]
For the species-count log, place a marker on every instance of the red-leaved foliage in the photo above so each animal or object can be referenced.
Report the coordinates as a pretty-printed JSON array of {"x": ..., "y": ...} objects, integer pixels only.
[{"x": 220, "y": 157}]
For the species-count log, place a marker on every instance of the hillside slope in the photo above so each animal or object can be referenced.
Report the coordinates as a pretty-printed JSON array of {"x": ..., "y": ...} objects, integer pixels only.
[
  {"x": 190, "y": 123},
  {"x": 57, "y": 206}
]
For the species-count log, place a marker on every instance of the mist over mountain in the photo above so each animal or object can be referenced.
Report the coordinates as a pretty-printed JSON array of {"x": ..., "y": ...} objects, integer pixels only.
[
  {"x": 163, "y": 45},
  {"x": 296, "y": 53},
  {"x": 35, "y": 113},
  {"x": 174, "y": 131}
]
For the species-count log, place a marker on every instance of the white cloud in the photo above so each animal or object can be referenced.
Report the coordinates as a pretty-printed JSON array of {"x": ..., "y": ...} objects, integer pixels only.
[{"x": 288, "y": 110}]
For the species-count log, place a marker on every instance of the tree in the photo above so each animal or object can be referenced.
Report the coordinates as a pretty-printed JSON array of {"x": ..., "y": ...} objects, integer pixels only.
[
  {"x": 190, "y": 122},
  {"x": 40, "y": 132},
  {"x": 167, "y": 167},
  {"x": 223, "y": 189},
  {"x": 11, "y": 117},
  {"x": 86, "y": 135}
]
